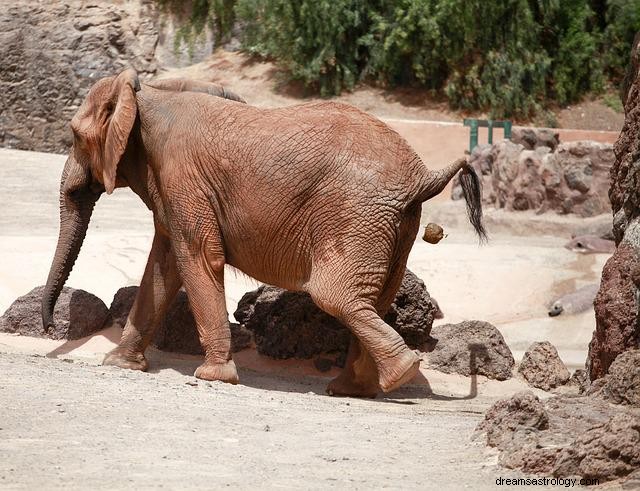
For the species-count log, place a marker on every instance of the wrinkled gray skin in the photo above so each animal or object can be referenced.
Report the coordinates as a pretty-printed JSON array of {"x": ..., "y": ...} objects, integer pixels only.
[{"x": 319, "y": 197}]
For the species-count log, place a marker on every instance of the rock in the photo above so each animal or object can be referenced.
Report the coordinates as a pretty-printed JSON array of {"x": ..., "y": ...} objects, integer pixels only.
[
  {"x": 566, "y": 178},
  {"x": 542, "y": 367},
  {"x": 523, "y": 411},
  {"x": 532, "y": 138},
  {"x": 616, "y": 311},
  {"x": 121, "y": 305},
  {"x": 289, "y": 325},
  {"x": 471, "y": 347},
  {"x": 622, "y": 384},
  {"x": 77, "y": 314},
  {"x": 606, "y": 451},
  {"x": 177, "y": 332},
  {"x": 616, "y": 305},
  {"x": 574, "y": 302}
]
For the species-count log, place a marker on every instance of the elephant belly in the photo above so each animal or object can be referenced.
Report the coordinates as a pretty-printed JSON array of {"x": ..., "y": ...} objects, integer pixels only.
[{"x": 286, "y": 264}]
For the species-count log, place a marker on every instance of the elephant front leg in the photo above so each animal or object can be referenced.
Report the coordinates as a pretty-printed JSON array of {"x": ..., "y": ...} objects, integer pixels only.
[
  {"x": 159, "y": 286},
  {"x": 203, "y": 275}
]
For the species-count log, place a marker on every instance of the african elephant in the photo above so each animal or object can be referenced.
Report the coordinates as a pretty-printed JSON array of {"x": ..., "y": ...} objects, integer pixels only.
[{"x": 318, "y": 197}]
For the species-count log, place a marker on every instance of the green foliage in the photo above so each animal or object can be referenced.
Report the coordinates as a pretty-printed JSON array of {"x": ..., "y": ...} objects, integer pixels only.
[
  {"x": 510, "y": 58},
  {"x": 622, "y": 23}
]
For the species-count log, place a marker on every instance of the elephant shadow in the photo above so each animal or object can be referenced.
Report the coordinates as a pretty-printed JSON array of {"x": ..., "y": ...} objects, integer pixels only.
[{"x": 281, "y": 382}]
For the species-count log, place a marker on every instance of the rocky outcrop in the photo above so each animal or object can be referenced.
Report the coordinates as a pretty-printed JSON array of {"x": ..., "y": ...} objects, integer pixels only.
[
  {"x": 564, "y": 436},
  {"x": 470, "y": 348},
  {"x": 616, "y": 305},
  {"x": 568, "y": 178},
  {"x": 52, "y": 52},
  {"x": 542, "y": 367},
  {"x": 289, "y": 325},
  {"x": 77, "y": 314},
  {"x": 177, "y": 333}
]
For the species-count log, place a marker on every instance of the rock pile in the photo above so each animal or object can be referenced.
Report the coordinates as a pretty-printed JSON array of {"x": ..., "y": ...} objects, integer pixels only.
[{"x": 543, "y": 175}]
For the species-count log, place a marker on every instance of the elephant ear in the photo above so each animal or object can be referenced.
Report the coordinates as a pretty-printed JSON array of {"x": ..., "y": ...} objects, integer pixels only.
[{"x": 121, "y": 108}]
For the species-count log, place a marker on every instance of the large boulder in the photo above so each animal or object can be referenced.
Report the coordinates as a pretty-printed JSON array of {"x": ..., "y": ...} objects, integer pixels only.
[
  {"x": 77, "y": 314},
  {"x": 289, "y": 325},
  {"x": 542, "y": 367},
  {"x": 571, "y": 177},
  {"x": 177, "y": 332},
  {"x": 470, "y": 348},
  {"x": 616, "y": 305}
]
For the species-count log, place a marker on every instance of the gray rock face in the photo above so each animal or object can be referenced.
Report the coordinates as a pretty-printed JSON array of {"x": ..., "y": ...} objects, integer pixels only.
[
  {"x": 542, "y": 367},
  {"x": 289, "y": 325},
  {"x": 177, "y": 333},
  {"x": 52, "y": 52},
  {"x": 565, "y": 436},
  {"x": 622, "y": 384},
  {"x": 471, "y": 347},
  {"x": 566, "y": 178},
  {"x": 77, "y": 314}
]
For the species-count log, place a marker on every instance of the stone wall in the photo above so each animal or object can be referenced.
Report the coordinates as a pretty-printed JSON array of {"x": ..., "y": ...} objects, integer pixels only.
[
  {"x": 52, "y": 52},
  {"x": 617, "y": 302}
]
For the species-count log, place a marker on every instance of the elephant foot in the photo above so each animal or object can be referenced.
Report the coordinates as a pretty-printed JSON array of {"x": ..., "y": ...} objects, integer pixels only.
[
  {"x": 345, "y": 387},
  {"x": 124, "y": 358},
  {"x": 224, "y": 372},
  {"x": 399, "y": 370}
]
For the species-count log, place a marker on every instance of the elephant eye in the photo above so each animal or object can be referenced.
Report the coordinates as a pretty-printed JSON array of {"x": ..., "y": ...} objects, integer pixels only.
[{"x": 579, "y": 245}]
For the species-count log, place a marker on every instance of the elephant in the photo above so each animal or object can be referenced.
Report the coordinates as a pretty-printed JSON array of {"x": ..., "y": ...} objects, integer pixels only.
[{"x": 317, "y": 197}]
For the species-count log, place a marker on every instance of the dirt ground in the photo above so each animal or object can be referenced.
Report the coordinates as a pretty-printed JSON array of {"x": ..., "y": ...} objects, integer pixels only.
[{"x": 73, "y": 425}]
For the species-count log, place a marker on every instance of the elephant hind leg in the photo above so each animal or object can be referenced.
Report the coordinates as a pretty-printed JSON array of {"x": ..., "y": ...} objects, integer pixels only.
[
  {"x": 369, "y": 365},
  {"x": 378, "y": 349}
]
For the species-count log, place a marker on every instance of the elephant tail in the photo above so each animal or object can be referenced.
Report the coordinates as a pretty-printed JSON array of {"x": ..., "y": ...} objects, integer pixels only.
[{"x": 435, "y": 181}]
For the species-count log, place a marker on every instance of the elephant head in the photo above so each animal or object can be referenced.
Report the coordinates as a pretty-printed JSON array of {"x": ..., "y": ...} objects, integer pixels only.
[
  {"x": 101, "y": 134},
  {"x": 101, "y": 130}
]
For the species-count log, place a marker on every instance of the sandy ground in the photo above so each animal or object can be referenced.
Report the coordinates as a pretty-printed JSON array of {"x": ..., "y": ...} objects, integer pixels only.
[{"x": 78, "y": 425}]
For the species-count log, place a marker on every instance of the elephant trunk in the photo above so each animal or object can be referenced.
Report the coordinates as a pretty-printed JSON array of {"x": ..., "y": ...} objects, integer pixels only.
[{"x": 76, "y": 205}]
